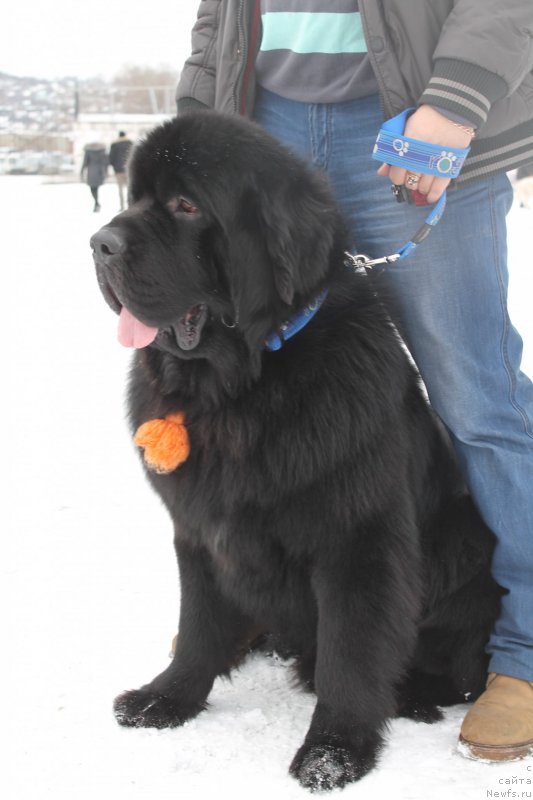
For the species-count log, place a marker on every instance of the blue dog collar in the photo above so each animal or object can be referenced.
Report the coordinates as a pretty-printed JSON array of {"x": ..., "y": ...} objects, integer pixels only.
[
  {"x": 295, "y": 323},
  {"x": 393, "y": 148}
]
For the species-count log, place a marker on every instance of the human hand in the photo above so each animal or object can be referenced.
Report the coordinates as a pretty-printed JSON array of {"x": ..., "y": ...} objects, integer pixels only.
[{"x": 428, "y": 125}]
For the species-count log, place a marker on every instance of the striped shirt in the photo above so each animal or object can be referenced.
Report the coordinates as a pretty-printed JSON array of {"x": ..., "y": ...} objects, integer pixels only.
[{"x": 314, "y": 51}]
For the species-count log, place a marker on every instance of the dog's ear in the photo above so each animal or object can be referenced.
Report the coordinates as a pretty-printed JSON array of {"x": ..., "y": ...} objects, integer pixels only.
[
  {"x": 289, "y": 230},
  {"x": 284, "y": 283},
  {"x": 301, "y": 226},
  {"x": 284, "y": 234}
]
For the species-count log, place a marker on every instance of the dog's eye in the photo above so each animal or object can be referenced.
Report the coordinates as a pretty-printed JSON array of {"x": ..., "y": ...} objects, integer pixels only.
[
  {"x": 186, "y": 207},
  {"x": 179, "y": 206}
]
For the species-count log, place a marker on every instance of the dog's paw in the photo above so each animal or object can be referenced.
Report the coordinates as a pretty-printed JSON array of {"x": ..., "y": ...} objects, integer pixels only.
[
  {"x": 144, "y": 709},
  {"x": 322, "y": 767}
]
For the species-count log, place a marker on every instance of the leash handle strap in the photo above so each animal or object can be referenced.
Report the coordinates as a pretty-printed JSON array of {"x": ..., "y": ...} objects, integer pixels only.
[{"x": 393, "y": 148}]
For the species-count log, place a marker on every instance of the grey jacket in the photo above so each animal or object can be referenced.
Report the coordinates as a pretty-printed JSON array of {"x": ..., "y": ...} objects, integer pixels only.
[
  {"x": 94, "y": 165},
  {"x": 422, "y": 51}
]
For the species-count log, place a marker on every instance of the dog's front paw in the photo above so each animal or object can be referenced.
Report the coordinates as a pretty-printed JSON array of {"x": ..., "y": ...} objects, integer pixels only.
[
  {"x": 145, "y": 709},
  {"x": 325, "y": 766}
]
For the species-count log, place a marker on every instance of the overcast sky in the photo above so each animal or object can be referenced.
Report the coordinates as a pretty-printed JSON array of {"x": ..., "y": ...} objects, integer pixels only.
[{"x": 55, "y": 38}]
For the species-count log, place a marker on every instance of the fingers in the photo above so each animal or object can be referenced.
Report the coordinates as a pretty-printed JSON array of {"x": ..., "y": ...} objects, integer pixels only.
[
  {"x": 427, "y": 185},
  {"x": 433, "y": 188}
]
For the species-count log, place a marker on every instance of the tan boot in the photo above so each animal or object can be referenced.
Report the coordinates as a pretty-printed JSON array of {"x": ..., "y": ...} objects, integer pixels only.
[{"x": 499, "y": 726}]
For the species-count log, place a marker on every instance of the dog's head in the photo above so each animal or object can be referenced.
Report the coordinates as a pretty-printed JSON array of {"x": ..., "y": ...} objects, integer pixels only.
[{"x": 226, "y": 235}]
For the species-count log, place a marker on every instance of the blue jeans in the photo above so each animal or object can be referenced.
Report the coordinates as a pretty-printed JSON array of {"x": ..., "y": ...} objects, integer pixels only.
[{"x": 451, "y": 293}]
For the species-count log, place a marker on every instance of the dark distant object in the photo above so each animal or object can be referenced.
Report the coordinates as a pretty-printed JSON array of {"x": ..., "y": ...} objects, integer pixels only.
[
  {"x": 33, "y": 162},
  {"x": 119, "y": 151}
]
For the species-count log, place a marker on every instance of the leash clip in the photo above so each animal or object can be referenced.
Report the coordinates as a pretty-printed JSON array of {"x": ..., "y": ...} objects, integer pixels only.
[{"x": 360, "y": 261}]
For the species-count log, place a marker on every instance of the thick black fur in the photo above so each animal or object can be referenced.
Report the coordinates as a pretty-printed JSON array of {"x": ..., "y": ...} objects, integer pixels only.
[{"x": 321, "y": 502}]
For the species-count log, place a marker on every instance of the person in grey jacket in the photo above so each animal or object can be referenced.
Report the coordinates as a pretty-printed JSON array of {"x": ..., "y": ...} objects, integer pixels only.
[
  {"x": 323, "y": 85},
  {"x": 94, "y": 169}
]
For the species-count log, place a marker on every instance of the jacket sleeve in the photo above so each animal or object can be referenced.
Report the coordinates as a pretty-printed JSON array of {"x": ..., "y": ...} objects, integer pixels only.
[
  {"x": 483, "y": 54},
  {"x": 196, "y": 87}
]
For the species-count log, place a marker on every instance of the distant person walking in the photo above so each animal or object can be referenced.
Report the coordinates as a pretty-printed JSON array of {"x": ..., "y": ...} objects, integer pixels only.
[
  {"x": 94, "y": 169},
  {"x": 118, "y": 157}
]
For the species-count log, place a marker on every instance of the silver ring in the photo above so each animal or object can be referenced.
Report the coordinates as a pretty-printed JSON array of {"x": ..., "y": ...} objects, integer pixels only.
[{"x": 412, "y": 179}]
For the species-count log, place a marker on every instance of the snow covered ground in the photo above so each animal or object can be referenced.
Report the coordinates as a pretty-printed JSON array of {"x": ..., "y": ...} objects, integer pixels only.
[{"x": 88, "y": 585}]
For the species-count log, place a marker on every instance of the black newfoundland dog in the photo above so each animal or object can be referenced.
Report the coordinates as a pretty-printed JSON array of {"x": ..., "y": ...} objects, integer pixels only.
[{"x": 315, "y": 499}]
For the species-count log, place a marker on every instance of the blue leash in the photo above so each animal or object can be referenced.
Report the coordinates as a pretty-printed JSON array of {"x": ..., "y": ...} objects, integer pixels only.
[{"x": 393, "y": 148}]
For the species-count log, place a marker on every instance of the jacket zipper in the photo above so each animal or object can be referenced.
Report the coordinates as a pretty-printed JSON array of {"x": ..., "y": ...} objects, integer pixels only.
[
  {"x": 243, "y": 52},
  {"x": 248, "y": 37}
]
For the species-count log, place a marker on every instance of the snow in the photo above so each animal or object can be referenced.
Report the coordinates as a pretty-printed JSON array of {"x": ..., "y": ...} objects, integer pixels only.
[{"x": 88, "y": 584}]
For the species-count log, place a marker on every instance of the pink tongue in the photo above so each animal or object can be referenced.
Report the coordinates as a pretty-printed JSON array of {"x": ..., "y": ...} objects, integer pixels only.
[{"x": 132, "y": 332}]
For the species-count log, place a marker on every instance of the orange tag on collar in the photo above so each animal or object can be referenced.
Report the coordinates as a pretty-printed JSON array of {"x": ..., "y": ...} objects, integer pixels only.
[{"x": 165, "y": 442}]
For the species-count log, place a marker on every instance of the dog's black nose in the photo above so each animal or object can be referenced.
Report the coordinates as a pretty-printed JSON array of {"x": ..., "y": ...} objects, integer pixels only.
[{"x": 108, "y": 242}]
